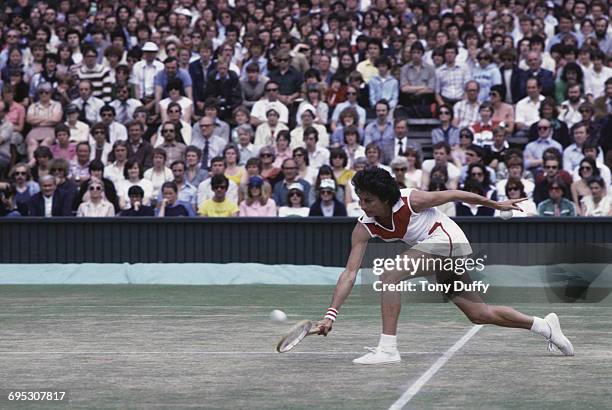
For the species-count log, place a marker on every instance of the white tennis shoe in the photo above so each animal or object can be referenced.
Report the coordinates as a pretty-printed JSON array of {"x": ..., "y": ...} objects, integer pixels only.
[
  {"x": 379, "y": 355},
  {"x": 557, "y": 338}
]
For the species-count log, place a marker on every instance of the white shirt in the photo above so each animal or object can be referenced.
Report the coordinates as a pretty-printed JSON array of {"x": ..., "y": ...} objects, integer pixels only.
[
  {"x": 528, "y": 112},
  {"x": 92, "y": 109},
  {"x": 262, "y": 106},
  {"x": 79, "y": 132},
  {"x": 116, "y": 132},
  {"x": 594, "y": 83},
  {"x": 102, "y": 209},
  {"x": 319, "y": 157},
  {"x": 453, "y": 171},
  {"x": 130, "y": 104},
  {"x": 114, "y": 173},
  {"x": 158, "y": 179},
  {"x": 185, "y": 103},
  {"x": 143, "y": 75},
  {"x": 48, "y": 206},
  {"x": 569, "y": 114},
  {"x": 124, "y": 185}
]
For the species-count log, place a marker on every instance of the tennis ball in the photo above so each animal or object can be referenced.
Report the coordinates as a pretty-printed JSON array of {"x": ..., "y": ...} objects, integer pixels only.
[
  {"x": 278, "y": 316},
  {"x": 505, "y": 214}
]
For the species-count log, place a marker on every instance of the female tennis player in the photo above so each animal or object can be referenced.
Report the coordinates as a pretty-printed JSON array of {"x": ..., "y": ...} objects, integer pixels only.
[{"x": 409, "y": 216}]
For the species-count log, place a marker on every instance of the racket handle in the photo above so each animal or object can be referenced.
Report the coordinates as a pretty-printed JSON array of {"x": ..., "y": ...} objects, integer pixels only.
[{"x": 314, "y": 331}]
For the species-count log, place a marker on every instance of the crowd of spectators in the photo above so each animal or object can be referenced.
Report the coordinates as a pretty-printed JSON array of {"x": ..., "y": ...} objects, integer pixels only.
[{"x": 268, "y": 108}]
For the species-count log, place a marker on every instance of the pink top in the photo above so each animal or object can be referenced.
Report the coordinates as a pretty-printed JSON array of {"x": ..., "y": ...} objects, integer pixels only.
[
  {"x": 257, "y": 209},
  {"x": 68, "y": 154},
  {"x": 16, "y": 113}
]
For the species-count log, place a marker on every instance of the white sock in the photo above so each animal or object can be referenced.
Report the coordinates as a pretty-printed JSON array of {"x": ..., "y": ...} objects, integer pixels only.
[
  {"x": 388, "y": 341},
  {"x": 540, "y": 326}
]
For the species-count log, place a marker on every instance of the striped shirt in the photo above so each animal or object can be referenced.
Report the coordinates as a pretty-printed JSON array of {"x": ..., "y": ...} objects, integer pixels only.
[{"x": 101, "y": 81}]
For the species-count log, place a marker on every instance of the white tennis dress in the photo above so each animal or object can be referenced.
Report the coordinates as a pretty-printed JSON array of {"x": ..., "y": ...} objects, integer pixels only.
[{"x": 429, "y": 231}]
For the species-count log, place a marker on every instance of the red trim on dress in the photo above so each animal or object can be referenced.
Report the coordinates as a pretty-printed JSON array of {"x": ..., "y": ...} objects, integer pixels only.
[
  {"x": 401, "y": 219},
  {"x": 450, "y": 240}
]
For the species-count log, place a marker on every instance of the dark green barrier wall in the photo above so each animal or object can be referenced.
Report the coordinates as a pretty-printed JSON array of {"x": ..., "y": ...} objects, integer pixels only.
[{"x": 317, "y": 241}]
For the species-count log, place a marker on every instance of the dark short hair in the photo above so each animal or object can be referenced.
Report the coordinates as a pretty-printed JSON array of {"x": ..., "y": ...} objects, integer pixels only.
[
  {"x": 129, "y": 164},
  {"x": 378, "y": 182},
  {"x": 218, "y": 180},
  {"x": 170, "y": 184}
]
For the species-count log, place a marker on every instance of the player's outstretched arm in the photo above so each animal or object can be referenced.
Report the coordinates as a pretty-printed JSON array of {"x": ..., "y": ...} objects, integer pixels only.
[
  {"x": 346, "y": 281},
  {"x": 420, "y": 200}
]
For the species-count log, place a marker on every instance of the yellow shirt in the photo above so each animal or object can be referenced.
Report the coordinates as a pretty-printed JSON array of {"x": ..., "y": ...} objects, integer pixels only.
[
  {"x": 218, "y": 209},
  {"x": 345, "y": 177},
  {"x": 238, "y": 177},
  {"x": 367, "y": 70}
]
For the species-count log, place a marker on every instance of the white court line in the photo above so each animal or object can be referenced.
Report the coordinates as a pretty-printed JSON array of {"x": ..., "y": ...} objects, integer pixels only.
[
  {"x": 226, "y": 353},
  {"x": 420, "y": 382}
]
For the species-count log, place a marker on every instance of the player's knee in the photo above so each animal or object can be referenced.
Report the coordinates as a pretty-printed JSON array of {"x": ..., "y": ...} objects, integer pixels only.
[{"x": 480, "y": 316}]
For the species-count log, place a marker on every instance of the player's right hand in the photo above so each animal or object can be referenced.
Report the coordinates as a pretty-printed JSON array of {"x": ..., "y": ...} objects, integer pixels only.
[{"x": 325, "y": 326}]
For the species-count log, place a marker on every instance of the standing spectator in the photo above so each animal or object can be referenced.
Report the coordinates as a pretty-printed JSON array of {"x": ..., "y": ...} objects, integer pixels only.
[
  {"x": 98, "y": 75},
  {"x": 199, "y": 71},
  {"x": 367, "y": 68},
  {"x": 42, "y": 116},
  {"x": 96, "y": 206},
  {"x": 144, "y": 73},
  {"x": 465, "y": 112},
  {"x": 383, "y": 85},
  {"x": 510, "y": 75},
  {"x": 486, "y": 74},
  {"x": 417, "y": 82},
  {"x": 258, "y": 201},
  {"x": 451, "y": 78},
  {"x": 219, "y": 205},
  {"x": 556, "y": 204},
  {"x": 88, "y": 105},
  {"x": 326, "y": 204}
]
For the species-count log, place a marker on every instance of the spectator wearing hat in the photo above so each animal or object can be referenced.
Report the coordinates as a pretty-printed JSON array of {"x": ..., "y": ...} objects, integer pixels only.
[
  {"x": 137, "y": 208},
  {"x": 295, "y": 202},
  {"x": 144, "y": 73},
  {"x": 271, "y": 100},
  {"x": 42, "y": 116},
  {"x": 326, "y": 204},
  {"x": 79, "y": 130},
  {"x": 258, "y": 201},
  {"x": 89, "y": 106},
  {"x": 219, "y": 205},
  {"x": 267, "y": 132},
  {"x": 252, "y": 85},
  {"x": 97, "y": 74},
  {"x": 308, "y": 116}
]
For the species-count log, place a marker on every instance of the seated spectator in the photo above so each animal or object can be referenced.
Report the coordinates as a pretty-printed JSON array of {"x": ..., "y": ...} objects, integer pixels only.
[
  {"x": 61, "y": 147},
  {"x": 465, "y": 209},
  {"x": 79, "y": 167},
  {"x": 441, "y": 153},
  {"x": 219, "y": 205},
  {"x": 381, "y": 129},
  {"x": 65, "y": 187},
  {"x": 246, "y": 148},
  {"x": 466, "y": 138},
  {"x": 136, "y": 207},
  {"x": 527, "y": 111},
  {"x": 465, "y": 112},
  {"x": 580, "y": 187},
  {"x": 544, "y": 77},
  {"x": 16, "y": 115},
  {"x": 96, "y": 206},
  {"x": 96, "y": 170},
  {"x": 9, "y": 207},
  {"x": 401, "y": 141},
  {"x": 160, "y": 173},
  {"x": 596, "y": 77},
  {"x": 267, "y": 131},
  {"x": 549, "y": 111},
  {"x": 42, "y": 116},
  {"x": 571, "y": 73},
  {"x": 516, "y": 190},
  {"x": 494, "y": 153},
  {"x": 373, "y": 155},
  {"x": 336, "y": 93},
  {"x": 326, "y": 172},
  {"x": 327, "y": 204},
  {"x": 98, "y": 142},
  {"x": 175, "y": 149},
  {"x": 535, "y": 149},
  {"x": 503, "y": 113},
  {"x": 133, "y": 176},
  {"x": 556, "y": 204},
  {"x": 515, "y": 171},
  {"x": 348, "y": 118},
  {"x": 173, "y": 89},
  {"x": 6, "y": 136},
  {"x": 446, "y": 132},
  {"x": 48, "y": 202},
  {"x": 224, "y": 84},
  {"x": 252, "y": 85},
  {"x": 483, "y": 128},
  {"x": 339, "y": 164},
  {"x": 233, "y": 171},
  {"x": 351, "y": 102},
  {"x": 308, "y": 121},
  {"x": 450, "y": 79},
  {"x": 313, "y": 98},
  {"x": 317, "y": 155},
  {"x": 569, "y": 109},
  {"x": 295, "y": 202},
  {"x": 258, "y": 201},
  {"x": 271, "y": 100},
  {"x": 116, "y": 131},
  {"x": 117, "y": 160},
  {"x": 124, "y": 106},
  {"x": 598, "y": 203},
  {"x": 288, "y": 78},
  {"x": 282, "y": 148},
  {"x": 87, "y": 104},
  {"x": 194, "y": 174},
  {"x": 269, "y": 172},
  {"x": 572, "y": 155},
  {"x": 399, "y": 166},
  {"x": 438, "y": 184},
  {"x": 291, "y": 177},
  {"x": 240, "y": 117},
  {"x": 590, "y": 149},
  {"x": 170, "y": 205},
  {"x": 603, "y": 105},
  {"x": 205, "y": 191},
  {"x": 551, "y": 172},
  {"x": 309, "y": 174},
  {"x": 478, "y": 172},
  {"x": 21, "y": 178}
]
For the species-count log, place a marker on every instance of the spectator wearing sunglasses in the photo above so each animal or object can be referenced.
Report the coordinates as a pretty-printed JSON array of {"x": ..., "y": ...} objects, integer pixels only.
[
  {"x": 219, "y": 205},
  {"x": 294, "y": 201},
  {"x": 516, "y": 190},
  {"x": 326, "y": 204},
  {"x": 556, "y": 204},
  {"x": 96, "y": 206}
]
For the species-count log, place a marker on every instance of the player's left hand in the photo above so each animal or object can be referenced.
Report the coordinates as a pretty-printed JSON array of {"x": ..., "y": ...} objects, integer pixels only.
[
  {"x": 509, "y": 205},
  {"x": 325, "y": 326}
]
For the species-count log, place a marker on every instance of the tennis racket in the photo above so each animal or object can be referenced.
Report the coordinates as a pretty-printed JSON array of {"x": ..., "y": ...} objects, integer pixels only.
[{"x": 296, "y": 334}]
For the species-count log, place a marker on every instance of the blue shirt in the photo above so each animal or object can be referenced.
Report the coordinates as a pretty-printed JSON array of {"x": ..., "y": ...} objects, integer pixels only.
[
  {"x": 387, "y": 88},
  {"x": 536, "y": 148},
  {"x": 373, "y": 134},
  {"x": 161, "y": 80}
]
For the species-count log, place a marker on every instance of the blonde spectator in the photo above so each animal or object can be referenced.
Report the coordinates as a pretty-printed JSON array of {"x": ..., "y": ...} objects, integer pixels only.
[
  {"x": 96, "y": 206},
  {"x": 42, "y": 116},
  {"x": 258, "y": 201}
]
